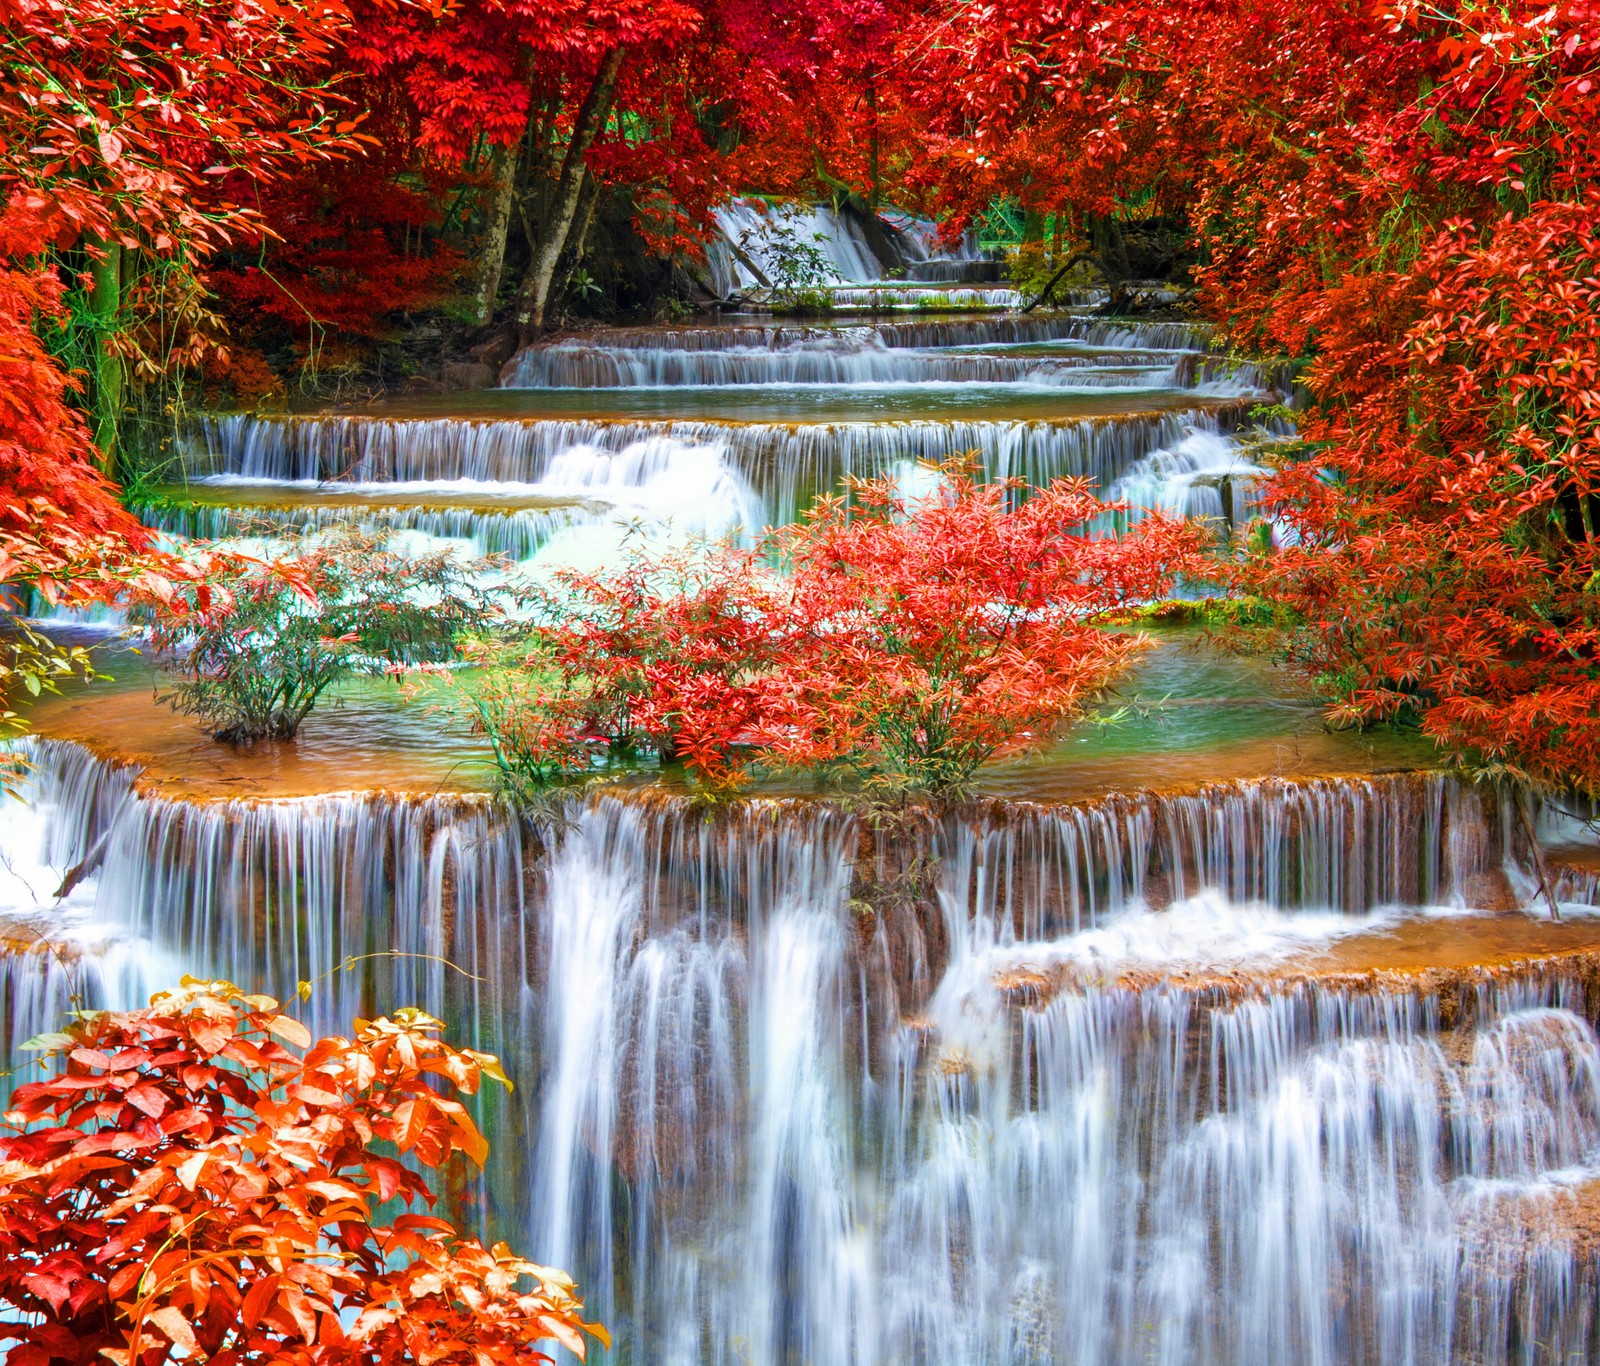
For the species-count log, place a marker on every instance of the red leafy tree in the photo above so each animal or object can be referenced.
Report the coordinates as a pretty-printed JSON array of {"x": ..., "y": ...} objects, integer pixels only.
[
  {"x": 200, "y": 1178},
  {"x": 947, "y": 631},
  {"x": 528, "y": 91},
  {"x": 678, "y": 655},
  {"x": 906, "y": 642},
  {"x": 1402, "y": 196},
  {"x": 119, "y": 119},
  {"x": 63, "y": 534}
]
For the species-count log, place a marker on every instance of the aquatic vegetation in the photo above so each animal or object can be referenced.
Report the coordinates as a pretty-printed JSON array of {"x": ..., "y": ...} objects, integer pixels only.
[{"x": 251, "y": 663}]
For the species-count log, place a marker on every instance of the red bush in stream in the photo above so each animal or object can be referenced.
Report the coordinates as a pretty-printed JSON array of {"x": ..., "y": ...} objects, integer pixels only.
[
  {"x": 943, "y": 632},
  {"x": 201, "y": 1178},
  {"x": 906, "y": 641}
]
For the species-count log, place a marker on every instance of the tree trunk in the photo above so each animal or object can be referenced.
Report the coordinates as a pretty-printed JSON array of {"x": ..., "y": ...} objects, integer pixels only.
[
  {"x": 873, "y": 172},
  {"x": 107, "y": 385},
  {"x": 578, "y": 234},
  {"x": 555, "y": 226},
  {"x": 503, "y": 188}
]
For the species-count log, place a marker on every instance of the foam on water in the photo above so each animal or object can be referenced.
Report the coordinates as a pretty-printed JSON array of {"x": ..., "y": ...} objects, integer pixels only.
[{"x": 1203, "y": 475}]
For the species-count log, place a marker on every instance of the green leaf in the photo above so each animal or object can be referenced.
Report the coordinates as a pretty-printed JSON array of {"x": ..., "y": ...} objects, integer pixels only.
[{"x": 44, "y": 1043}]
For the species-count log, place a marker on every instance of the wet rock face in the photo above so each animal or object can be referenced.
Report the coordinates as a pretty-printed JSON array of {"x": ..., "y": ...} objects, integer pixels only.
[{"x": 795, "y": 1090}]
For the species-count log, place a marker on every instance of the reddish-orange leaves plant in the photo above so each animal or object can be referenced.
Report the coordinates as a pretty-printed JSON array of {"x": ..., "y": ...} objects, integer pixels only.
[
  {"x": 905, "y": 641},
  {"x": 678, "y": 654},
  {"x": 200, "y": 1180},
  {"x": 946, "y": 631}
]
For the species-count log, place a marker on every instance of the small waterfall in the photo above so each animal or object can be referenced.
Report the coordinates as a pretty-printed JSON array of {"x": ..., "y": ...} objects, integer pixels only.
[
  {"x": 1131, "y": 334},
  {"x": 932, "y": 298},
  {"x": 1303, "y": 1177},
  {"x": 785, "y": 464},
  {"x": 965, "y": 271},
  {"x": 837, "y": 359},
  {"x": 839, "y": 237},
  {"x": 917, "y": 333},
  {"x": 1204, "y": 475},
  {"x": 517, "y": 532},
  {"x": 56, "y": 953},
  {"x": 791, "y": 1091}
]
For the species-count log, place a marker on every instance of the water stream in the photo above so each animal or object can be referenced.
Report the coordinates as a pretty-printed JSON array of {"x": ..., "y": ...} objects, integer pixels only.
[
  {"x": 1145, "y": 1056},
  {"x": 793, "y": 1093}
]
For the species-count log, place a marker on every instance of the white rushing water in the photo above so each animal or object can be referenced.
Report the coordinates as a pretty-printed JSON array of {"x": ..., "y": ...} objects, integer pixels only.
[
  {"x": 763, "y": 1119},
  {"x": 725, "y": 429}
]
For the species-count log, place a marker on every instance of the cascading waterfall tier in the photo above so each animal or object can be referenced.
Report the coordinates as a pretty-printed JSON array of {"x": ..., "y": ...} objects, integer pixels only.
[
  {"x": 916, "y": 333},
  {"x": 849, "y": 360},
  {"x": 785, "y": 464},
  {"x": 790, "y": 1090},
  {"x": 516, "y": 532},
  {"x": 725, "y": 430},
  {"x": 881, "y": 352}
]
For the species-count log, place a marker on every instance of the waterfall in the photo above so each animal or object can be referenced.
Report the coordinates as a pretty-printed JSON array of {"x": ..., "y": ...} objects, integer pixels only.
[
  {"x": 1280, "y": 1070},
  {"x": 839, "y": 359},
  {"x": 917, "y": 333},
  {"x": 618, "y": 433},
  {"x": 56, "y": 953},
  {"x": 838, "y": 237},
  {"x": 784, "y": 464},
  {"x": 793, "y": 1091},
  {"x": 519, "y": 533},
  {"x": 1203, "y": 475}
]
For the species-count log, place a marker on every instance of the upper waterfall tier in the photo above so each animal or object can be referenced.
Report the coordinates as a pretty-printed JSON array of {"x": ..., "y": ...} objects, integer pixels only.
[
  {"x": 842, "y": 247},
  {"x": 1060, "y": 351},
  {"x": 915, "y": 333},
  {"x": 729, "y": 428}
]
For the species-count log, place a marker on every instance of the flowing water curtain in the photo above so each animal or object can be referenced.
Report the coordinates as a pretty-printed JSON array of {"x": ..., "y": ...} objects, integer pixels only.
[
  {"x": 751, "y": 474},
  {"x": 753, "y": 1111}
]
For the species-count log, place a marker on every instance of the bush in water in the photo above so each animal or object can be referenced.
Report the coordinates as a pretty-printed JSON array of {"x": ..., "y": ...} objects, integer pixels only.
[
  {"x": 200, "y": 1179},
  {"x": 342, "y": 604},
  {"x": 902, "y": 643},
  {"x": 953, "y": 629},
  {"x": 678, "y": 654}
]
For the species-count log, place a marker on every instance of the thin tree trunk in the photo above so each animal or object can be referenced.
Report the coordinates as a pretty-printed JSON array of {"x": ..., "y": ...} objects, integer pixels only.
[
  {"x": 108, "y": 387},
  {"x": 1061, "y": 271},
  {"x": 582, "y": 225},
  {"x": 492, "y": 261},
  {"x": 748, "y": 262},
  {"x": 556, "y": 225},
  {"x": 1536, "y": 854},
  {"x": 873, "y": 172}
]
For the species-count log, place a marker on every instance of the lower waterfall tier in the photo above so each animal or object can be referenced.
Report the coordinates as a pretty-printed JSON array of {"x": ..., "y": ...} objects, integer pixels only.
[{"x": 1276, "y": 1070}]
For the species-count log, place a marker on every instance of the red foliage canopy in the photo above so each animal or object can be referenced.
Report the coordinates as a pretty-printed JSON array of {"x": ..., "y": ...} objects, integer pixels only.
[
  {"x": 1406, "y": 196},
  {"x": 117, "y": 117}
]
